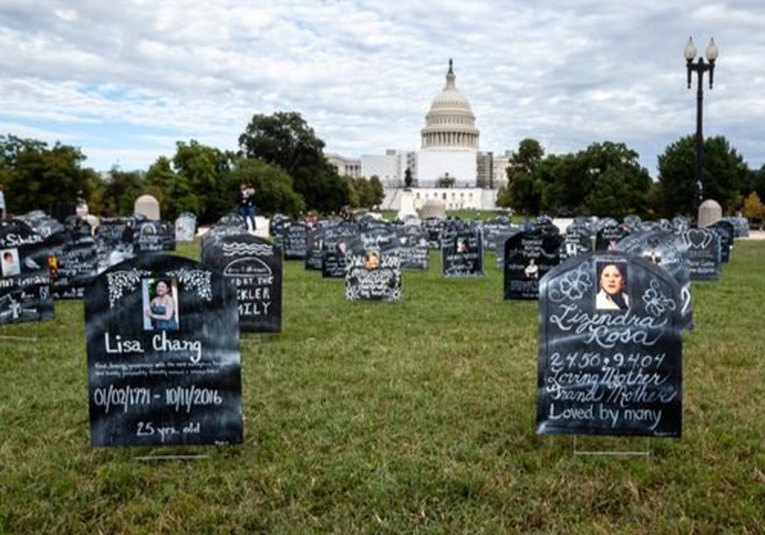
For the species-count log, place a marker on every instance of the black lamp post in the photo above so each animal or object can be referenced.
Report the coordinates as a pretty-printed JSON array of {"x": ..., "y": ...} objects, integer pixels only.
[{"x": 700, "y": 67}]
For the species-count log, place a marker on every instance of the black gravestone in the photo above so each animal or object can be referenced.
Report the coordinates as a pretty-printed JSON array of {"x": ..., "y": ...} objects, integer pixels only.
[
  {"x": 434, "y": 227},
  {"x": 702, "y": 248},
  {"x": 413, "y": 243},
  {"x": 334, "y": 248},
  {"x": 373, "y": 270},
  {"x": 529, "y": 255},
  {"x": 609, "y": 359},
  {"x": 727, "y": 233},
  {"x": 24, "y": 277},
  {"x": 461, "y": 251},
  {"x": 294, "y": 240},
  {"x": 72, "y": 262},
  {"x": 172, "y": 378},
  {"x": 153, "y": 237},
  {"x": 252, "y": 265},
  {"x": 577, "y": 240},
  {"x": 609, "y": 234},
  {"x": 313, "y": 249}
]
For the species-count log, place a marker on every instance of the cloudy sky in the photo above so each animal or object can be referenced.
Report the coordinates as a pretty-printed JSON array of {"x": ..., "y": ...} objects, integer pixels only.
[{"x": 125, "y": 80}]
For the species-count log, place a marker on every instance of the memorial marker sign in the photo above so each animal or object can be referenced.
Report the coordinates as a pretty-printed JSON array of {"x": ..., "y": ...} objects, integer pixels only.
[
  {"x": 609, "y": 360},
  {"x": 163, "y": 355}
]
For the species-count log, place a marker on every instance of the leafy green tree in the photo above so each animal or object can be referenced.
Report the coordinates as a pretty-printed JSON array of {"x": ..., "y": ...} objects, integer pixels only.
[
  {"x": 376, "y": 192},
  {"x": 273, "y": 187},
  {"x": 36, "y": 176},
  {"x": 118, "y": 192},
  {"x": 206, "y": 169},
  {"x": 523, "y": 193},
  {"x": 723, "y": 174},
  {"x": 286, "y": 140}
]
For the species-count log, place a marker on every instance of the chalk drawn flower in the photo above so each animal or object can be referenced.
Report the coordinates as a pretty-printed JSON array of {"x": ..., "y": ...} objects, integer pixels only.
[
  {"x": 656, "y": 302},
  {"x": 573, "y": 285}
]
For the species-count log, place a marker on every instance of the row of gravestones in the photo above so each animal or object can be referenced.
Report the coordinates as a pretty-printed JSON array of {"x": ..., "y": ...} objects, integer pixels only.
[{"x": 181, "y": 383}]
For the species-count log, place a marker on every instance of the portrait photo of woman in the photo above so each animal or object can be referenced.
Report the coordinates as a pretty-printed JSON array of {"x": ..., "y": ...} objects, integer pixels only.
[
  {"x": 160, "y": 305},
  {"x": 612, "y": 284}
]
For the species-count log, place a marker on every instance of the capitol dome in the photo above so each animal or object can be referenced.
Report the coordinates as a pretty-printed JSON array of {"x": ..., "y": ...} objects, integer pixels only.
[{"x": 450, "y": 123}]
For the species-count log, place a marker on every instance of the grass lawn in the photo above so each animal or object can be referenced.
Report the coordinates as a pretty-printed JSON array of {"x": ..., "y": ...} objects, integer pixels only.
[{"x": 395, "y": 418}]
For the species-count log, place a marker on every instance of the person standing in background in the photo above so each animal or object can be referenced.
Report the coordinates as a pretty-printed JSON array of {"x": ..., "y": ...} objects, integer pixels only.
[
  {"x": 245, "y": 198},
  {"x": 2, "y": 203}
]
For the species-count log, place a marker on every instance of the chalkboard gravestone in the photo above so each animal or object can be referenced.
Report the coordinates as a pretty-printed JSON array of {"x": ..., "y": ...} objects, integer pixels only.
[
  {"x": 462, "y": 251},
  {"x": 577, "y": 240},
  {"x": 529, "y": 255},
  {"x": 335, "y": 247},
  {"x": 727, "y": 234},
  {"x": 185, "y": 227},
  {"x": 24, "y": 277},
  {"x": 295, "y": 241},
  {"x": 609, "y": 234},
  {"x": 665, "y": 249},
  {"x": 313, "y": 249},
  {"x": 252, "y": 265},
  {"x": 702, "y": 249},
  {"x": 163, "y": 355},
  {"x": 373, "y": 271},
  {"x": 609, "y": 359},
  {"x": 413, "y": 242},
  {"x": 72, "y": 262}
]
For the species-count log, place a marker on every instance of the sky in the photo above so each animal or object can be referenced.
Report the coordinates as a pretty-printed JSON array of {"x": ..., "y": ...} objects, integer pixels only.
[{"x": 126, "y": 80}]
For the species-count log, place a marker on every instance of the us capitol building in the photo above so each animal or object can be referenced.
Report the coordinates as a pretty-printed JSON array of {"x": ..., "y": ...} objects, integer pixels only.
[{"x": 448, "y": 166}]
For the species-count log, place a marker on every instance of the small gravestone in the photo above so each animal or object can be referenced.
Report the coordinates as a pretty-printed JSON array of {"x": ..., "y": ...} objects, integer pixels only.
[
  {"x": 335, "y": 247},
  {"x": 413, "y": 243},
  {"x": 493, "y": 230},
  {"x": 185, "y": 227},
  {"x": 232, "y": 219},
  {"x": 727, "y": 234},
  {"x": 163, "y": 355},
  {"x": 609, "y": 359},
  {"x": 609, "y": 234},
  {"x": 462, "y": 252},
  {"x": 313, "y": 249},
  {"x": 577, "y": 240},
  {"x": 114, "y": 241},
  {"x": 702, "y": 248},
  {"x": 434, "y": 227},
  {"x": 373, "y": 270},
  {"x": 710, "y": 212},
  {"x": 665, "y": 249},
  {"x": 153, "y": 237},
  {"x": 529, "y": 255},
  {"x": 294, "y": 241},
  {"x": 253, "y": 266},
  {"x": 147, "y": 206},
  {"x": 277, "y": 227},
  {"x": 24, "y": 277},
  {"x": 72, "y": 263}
]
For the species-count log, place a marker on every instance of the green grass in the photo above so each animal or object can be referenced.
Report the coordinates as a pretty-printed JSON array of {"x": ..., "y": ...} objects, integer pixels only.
[{"x": 392, "y": 418}]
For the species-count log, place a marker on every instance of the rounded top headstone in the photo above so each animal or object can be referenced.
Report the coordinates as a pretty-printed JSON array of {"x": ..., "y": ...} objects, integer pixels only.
[
  {"x": 433, "y": 208},
  {"x": 710, "y": 212}
]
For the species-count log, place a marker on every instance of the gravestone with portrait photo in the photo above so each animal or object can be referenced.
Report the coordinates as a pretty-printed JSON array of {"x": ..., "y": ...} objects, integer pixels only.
[
  {"x": 163, "y": 355},
  {"x": 610, "y": 350},
  {"x": 702, "y": 249},
  {"x": 461, "y": 251},
  {"x": 153, "y": 237},
  {"x": 373, "y": 269},
  {"x": 335, "y": 247},
  {"x": 528, "y": 256},
  {"x": 24, "y": 277},
  {"x": 253, "y": 266}
]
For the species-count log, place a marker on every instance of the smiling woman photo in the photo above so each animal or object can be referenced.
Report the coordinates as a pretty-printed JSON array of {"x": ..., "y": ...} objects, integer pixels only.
[{"x": 612, "y": 281}]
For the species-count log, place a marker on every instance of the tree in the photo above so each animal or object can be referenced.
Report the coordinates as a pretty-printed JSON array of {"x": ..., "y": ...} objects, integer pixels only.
[
  {"x": 118, "y": 192},
  {"x": 37, "y": 177},
  {"x": 206, "y": 170},
  {"x": 754, "y": 210},
  {"x": 522, "y": 193},
  {"x": 286, "y": 140},
  {"x": 723, "y": 174},
  {"x": 376, "y": 191}
]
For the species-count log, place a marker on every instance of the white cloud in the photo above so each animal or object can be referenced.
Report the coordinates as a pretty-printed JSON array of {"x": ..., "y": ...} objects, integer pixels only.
[{"x": 362, "y": 73}]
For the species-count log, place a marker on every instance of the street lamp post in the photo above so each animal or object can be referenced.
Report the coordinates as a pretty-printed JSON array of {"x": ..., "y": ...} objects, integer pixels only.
[{"x": 699, "y": 67}]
